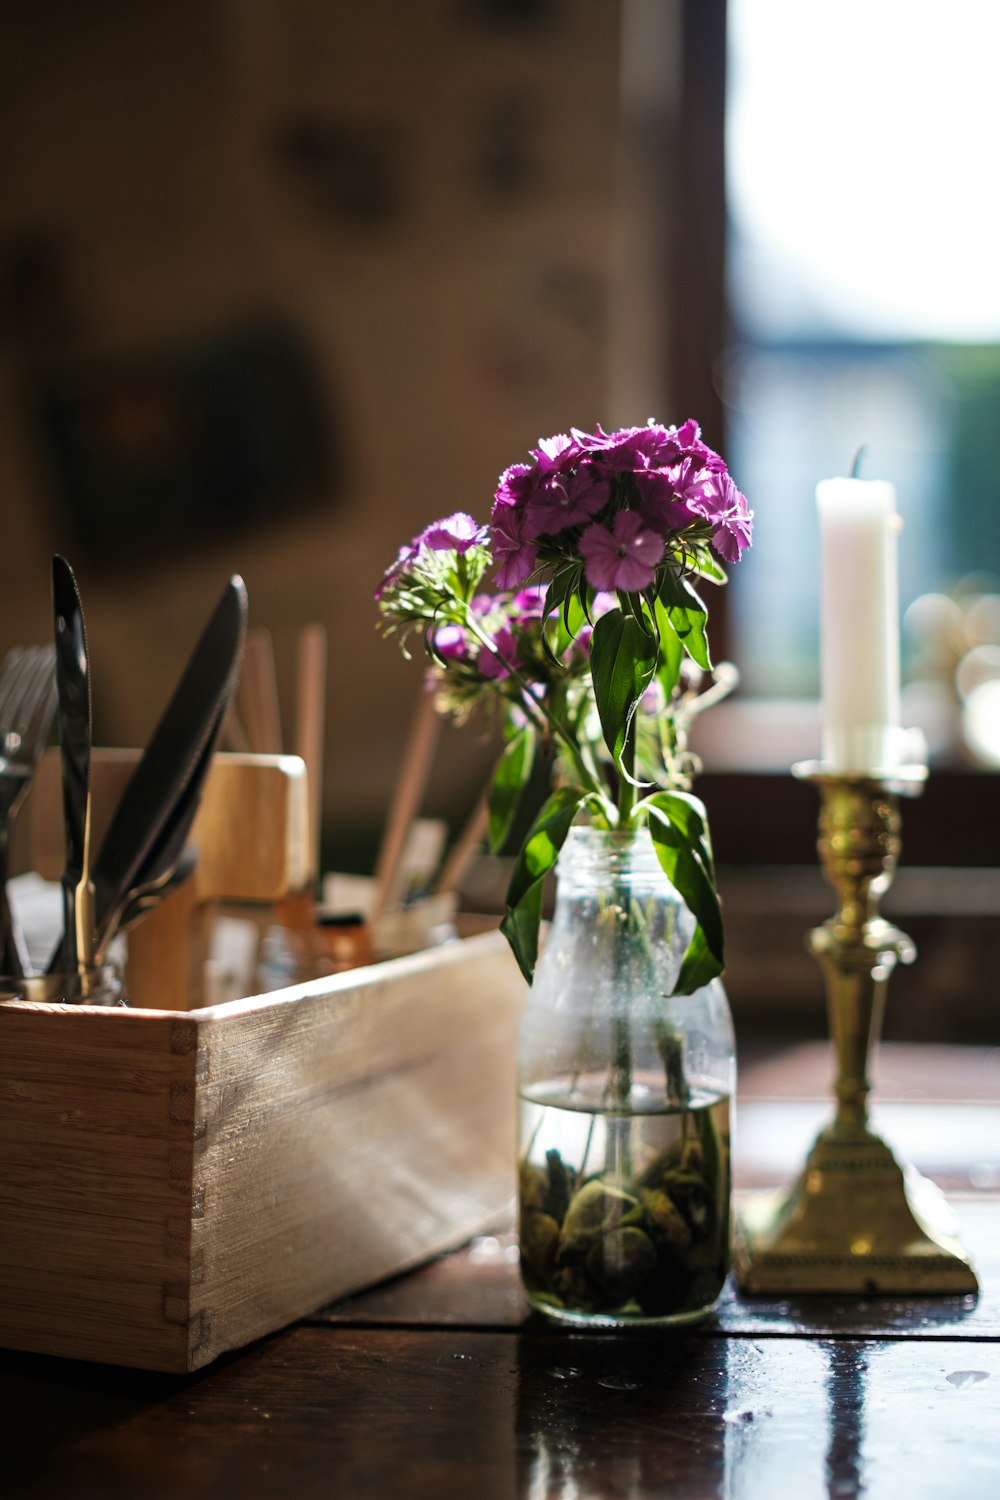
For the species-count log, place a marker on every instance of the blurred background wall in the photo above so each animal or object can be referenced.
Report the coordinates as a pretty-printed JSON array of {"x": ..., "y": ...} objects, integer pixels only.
[{"x": 281, "y": 281}]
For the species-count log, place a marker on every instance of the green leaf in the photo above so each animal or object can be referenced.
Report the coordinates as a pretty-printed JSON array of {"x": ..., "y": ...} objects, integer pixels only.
[
  {"x": 521, "y": 926},
  {"x": 699, "y": 968},
  {"x": 705, "y": 566},
  {"x": 562, "y": 601},
  {"x": 671, "y": 651},
  {"x": 687, "y": 615},
  {"x": 509, "y": 780},
  {"x": 557, "y": 594},
  {"x": 622, "y": 663},
  {"x": 687, "y": 813},
  {"x": 557, "y": 590},
  {"x": 538, "y": 854},
  {"x": 679, "y": 831},
  {"x": 574, "y": 616}
]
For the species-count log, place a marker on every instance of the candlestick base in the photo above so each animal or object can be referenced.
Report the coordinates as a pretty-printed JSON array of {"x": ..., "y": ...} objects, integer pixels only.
[{"x": 856, "y": 1221}]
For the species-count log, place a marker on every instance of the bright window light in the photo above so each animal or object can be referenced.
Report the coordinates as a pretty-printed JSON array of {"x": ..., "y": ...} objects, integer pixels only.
[
  {"x": 864, "y": 285},
  {"x": 862, "y": 147}
]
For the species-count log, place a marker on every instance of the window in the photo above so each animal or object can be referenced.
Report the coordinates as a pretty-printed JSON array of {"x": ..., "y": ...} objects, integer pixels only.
[{"x": 864, "y": 299}]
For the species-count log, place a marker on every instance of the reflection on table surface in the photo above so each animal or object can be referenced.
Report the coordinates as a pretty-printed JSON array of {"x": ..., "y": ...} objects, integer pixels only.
[{"x": 441, "y": 1384}]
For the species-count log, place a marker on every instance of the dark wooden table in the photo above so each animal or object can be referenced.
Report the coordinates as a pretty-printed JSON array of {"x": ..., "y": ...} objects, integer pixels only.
[{"x": 441, "y": 1384}]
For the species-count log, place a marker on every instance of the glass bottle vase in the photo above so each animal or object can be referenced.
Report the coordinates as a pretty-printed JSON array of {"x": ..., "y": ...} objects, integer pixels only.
[{"x": 624, "y": 1111}]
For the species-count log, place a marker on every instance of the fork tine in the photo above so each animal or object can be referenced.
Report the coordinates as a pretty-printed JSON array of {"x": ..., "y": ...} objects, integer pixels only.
[
  {"x": 33, "y": 662},
  {"x": 10, "y": 661},
  {"x": 21, "y": 679},
  {"x": 10, "y": 679},
  {"x": 27, "y": 681},
  {"x": 27, "y": 702},
  {"x": 38, "y": 662},
  {"x": 38, "y": 700}
]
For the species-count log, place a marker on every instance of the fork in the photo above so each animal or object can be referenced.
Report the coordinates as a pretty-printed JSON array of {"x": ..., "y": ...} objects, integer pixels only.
[{"x": 27, "y": 703}]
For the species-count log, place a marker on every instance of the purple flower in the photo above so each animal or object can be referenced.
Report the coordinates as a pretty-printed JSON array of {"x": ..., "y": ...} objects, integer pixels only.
[
  {"x": 566, "y": 500},
  {"x": 686, "y": 445},
  {"x": 515, "y": 567},
  {"x": 590, "y": 442},
  {"x": 714, "y": 496},
  {"x": 633, "y": 448},
  {"x": 516, "y": 485},
  {"x": 734, "y": 532},
  {"x": 556, "y": 453},
  {"x": 404, "y": 556},
  {"x": 733, "y": 537},
  {"x": 455, "y": 533},
  {"x": 489, "y": 663},
  {"x": 652, "y": 446},
  {"x": 688, "y": 433},
  {"x": 660, "y": 505},
  {"x": 513, "y": 550},
  {"x": 529, "y": 604},
  {"x": 623, "y": 558},
  {"x": 451, "y": 643}
]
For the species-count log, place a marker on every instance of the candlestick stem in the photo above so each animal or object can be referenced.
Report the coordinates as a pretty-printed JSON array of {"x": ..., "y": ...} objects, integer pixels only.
[{"x": 859, "y": 843}]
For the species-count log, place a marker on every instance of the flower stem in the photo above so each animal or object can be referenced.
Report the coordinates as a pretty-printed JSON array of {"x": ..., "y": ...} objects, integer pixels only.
[
  {"x": 626, "y": 790},
  {"x": 535, "y": 707}
]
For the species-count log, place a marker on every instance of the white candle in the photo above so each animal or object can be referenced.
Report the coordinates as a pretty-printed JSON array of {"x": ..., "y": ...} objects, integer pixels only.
[{"x": 859, "y": 624}]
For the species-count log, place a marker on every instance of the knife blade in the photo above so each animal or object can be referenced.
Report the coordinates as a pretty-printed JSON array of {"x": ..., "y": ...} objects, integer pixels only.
[
  {"x": 182, "y": 743},
  {"x": 147, "y": 896},
  {"x": 171, "y": 771},
  {"x": 73, "y": 690},
  {"x": 166, "y": 852}
]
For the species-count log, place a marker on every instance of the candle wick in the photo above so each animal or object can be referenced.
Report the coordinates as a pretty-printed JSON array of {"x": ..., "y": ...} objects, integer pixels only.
[{"x": 858, "y": 457}]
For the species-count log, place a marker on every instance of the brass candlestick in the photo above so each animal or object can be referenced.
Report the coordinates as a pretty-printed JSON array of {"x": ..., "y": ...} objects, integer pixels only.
[{"x": 857, "y": 1219}]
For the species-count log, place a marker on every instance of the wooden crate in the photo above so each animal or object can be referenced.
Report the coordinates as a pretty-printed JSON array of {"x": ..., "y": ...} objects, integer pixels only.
[{"x": 173, "y": 1185}]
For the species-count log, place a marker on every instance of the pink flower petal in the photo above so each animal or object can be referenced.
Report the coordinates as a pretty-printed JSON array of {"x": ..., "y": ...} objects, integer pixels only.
[{"x": 624, "y": 558}]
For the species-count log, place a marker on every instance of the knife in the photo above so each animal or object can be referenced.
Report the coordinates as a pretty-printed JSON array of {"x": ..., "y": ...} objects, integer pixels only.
[
  {"x": 149, "y": 894},
  {"x": 169, "y": 858},
  {"x": 161, "y": 799},
  {"x": 73, "y": 690}
]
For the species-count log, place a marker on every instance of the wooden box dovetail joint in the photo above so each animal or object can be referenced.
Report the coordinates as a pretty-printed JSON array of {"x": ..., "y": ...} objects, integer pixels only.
[{"x": 174, "y": 1185}]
